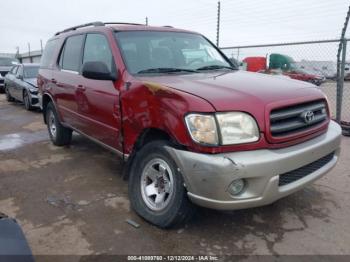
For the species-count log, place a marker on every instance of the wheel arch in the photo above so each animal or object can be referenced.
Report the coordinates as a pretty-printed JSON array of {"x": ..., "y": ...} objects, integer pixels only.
[
  {"x": 46, "y": 99},
  {"x": 146, "y": 136}
]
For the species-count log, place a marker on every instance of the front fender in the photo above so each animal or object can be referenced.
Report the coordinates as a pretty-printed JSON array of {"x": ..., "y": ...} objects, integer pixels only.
[{"x": 150, "y": 105}]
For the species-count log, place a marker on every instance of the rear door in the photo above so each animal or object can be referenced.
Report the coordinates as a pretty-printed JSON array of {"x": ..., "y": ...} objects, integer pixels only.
[
  {"x": 98, "y": 100},
  {"x": 67, "y": 79},
  {"x": 10, "y": 80}
]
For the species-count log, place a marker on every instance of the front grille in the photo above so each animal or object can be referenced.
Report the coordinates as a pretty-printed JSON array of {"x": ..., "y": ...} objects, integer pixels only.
[
  {"x": 301, "y": 172},
  {"x": 297, "y": 118}
]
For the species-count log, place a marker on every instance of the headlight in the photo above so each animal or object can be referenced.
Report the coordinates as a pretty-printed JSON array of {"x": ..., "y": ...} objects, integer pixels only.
[
  {"x": 237, "y": 128},
  {"x": 202, "y": 128},
  {"x": 234, "y": 128}
]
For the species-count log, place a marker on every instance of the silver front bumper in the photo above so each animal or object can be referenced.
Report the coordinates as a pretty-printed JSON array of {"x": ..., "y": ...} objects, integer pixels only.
[
  {"x": 208, "y": 177},
  {"x": 34, "y": 97}
]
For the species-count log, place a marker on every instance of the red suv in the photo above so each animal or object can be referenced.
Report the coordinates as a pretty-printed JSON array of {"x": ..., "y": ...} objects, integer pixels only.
[{"x": 189, "y": 125}]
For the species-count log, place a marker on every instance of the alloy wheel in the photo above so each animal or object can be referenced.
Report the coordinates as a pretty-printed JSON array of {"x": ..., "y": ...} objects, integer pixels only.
[
  {"x": 157, "y": 184},
  {"x": 52, "y": 124}
]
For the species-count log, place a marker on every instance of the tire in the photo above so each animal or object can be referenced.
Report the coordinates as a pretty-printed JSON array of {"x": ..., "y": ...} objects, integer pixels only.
[
  {"x": 59, "y": 135},
  {"x": 9, "y": 98},
  {"x": 175, "y": 207},
  {"x": 27, "y": 101}
]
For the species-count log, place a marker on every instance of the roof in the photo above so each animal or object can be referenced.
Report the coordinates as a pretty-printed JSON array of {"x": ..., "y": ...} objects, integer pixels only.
[
  {"x": 30, "y": 64},
  {"x": 121, "y": 26},
  {"x": 148, "y": 28}
]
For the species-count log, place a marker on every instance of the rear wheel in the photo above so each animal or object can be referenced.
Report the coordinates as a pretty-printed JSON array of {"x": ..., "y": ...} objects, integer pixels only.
[
  {"x": 9, "y": 98},
  {"x": 156, "y": 187},
  {"x": 59, "y": 135},
  {"x": 27, "y": 101}
]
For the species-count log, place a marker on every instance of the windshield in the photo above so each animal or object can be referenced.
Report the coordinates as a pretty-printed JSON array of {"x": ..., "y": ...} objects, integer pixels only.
[
  {"x": 7, "y": 61},
  {"x": 161, "y": 52},
  {"x": 31, "y": 72}
]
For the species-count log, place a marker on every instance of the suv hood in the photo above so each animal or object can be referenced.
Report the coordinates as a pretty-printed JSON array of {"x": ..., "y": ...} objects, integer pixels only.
[
  {"x": 31, "y": 81},
  {"x": 238, "y": 90}
]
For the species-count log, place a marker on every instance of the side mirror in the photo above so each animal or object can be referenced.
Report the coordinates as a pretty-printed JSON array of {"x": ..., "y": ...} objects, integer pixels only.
[
  {"x": 97, "y": 70},
  {"x": 19, "y": 77}
]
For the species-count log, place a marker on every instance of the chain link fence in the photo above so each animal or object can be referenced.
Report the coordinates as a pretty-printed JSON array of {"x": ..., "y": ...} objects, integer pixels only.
[{"x": 313, "y": 61}]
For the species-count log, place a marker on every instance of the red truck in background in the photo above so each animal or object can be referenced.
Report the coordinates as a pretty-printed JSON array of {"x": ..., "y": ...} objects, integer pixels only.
[
  {"x": 283, "y": 65},
  {"x": 255, "y": 63}
]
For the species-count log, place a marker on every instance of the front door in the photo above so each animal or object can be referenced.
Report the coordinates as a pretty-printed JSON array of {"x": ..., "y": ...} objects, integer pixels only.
[{"x": 98, "y": 100}]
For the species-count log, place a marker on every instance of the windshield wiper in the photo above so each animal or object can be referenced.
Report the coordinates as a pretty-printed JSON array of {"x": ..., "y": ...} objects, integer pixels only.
[
  {"x": 165, "y": 70},
  {"x": 214, "y": 67}
]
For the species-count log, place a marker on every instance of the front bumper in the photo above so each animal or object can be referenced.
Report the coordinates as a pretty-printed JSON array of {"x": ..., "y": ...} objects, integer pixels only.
[
  {"x": 208, "y": 177},
  {"x": 34, "y": 99}
]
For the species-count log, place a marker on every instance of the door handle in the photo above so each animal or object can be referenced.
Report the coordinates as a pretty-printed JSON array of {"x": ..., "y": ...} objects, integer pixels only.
[
  {"x": 54, "y": 81},
  {"x": 81, "y": 87}
]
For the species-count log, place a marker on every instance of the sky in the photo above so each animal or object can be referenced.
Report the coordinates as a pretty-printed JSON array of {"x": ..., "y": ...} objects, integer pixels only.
[{"x": 242, "y": 22}]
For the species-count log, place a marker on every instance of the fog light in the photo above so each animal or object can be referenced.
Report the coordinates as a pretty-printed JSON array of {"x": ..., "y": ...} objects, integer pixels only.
[{"x": 236, "y": 187}]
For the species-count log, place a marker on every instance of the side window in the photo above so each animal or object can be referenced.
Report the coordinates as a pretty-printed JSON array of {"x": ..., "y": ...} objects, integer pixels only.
[
  {"x": 46, "y": 59},
  {"x": 70, "y": 55},
  {"x": 14, "y": 70},
  {"x": 20, "y": 71},
  {"x": 97, "y": 49}
]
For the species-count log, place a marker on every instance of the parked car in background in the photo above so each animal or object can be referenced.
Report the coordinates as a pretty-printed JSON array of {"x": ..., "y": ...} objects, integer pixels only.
[
  {"x": 303, "y": 75},
  {"x": 189, "y": 125},
  {"x": 347, "y": 71},
  {"x": 21, "y": 85},
  {"x": 6, "y": 63},
  {"x": 281, "y": 64},
  {"x": 328, "y": 69}
]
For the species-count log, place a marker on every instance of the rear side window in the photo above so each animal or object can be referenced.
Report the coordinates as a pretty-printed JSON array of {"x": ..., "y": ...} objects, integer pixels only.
[
  {"x": 97, "y": 49},
  {"x": 71, "y": 53},
  {"x": 46, "y": 58}
]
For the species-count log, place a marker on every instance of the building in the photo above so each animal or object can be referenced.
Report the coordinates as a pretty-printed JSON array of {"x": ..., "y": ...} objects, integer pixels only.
[{"x": 30, "y": 57}]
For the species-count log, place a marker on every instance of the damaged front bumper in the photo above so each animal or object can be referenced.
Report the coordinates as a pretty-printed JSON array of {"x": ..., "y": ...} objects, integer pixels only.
[
  {"x": 34, "y": 98},
  {"x": 208, "y": 177}
]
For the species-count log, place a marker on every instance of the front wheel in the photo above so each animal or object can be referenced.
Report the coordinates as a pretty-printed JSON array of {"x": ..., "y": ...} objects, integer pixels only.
[
  {"x": 59, "y": 135},
  {"x": 156, "y": 187}
]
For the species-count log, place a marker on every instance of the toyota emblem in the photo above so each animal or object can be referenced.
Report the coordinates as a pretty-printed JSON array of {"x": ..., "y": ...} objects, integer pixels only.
[{"x": 308, "y": 116}]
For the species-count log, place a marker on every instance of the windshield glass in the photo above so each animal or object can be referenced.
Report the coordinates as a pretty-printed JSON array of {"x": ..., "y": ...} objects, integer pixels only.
[
  {"x": 7, "y": 61},
  {"x": 145, "y": 51},
  {"x": 31, "y": 72}
]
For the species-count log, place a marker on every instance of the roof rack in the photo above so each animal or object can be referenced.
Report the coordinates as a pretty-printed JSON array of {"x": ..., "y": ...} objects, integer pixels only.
[
  {"x": 95, "y": 24},
  {"x": 121, "y": 23},
  {"x": 80, "y": 26}
]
